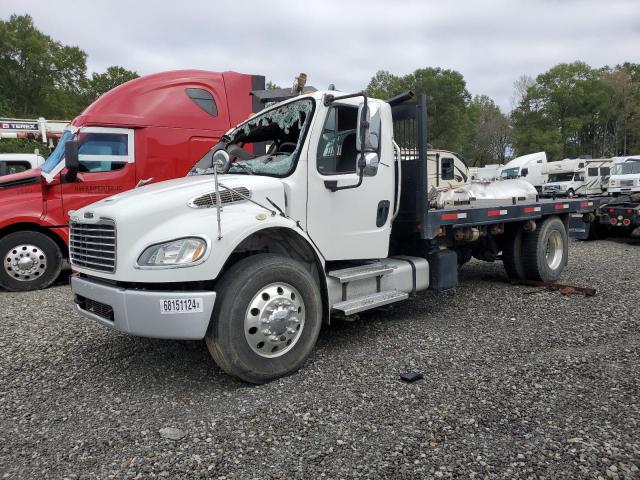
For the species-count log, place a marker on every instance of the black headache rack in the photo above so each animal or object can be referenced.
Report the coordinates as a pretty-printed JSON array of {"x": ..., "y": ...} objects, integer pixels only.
[{"x": 416, "y": 216}]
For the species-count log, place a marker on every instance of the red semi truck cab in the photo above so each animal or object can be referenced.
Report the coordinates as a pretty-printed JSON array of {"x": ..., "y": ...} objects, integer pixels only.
[{"x": 147, "y": 130}]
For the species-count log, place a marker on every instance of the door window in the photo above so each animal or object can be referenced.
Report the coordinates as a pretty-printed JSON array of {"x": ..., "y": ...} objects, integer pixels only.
[
  {"x": 579, "y": 177},
  {"x": 337, "y": 152},
  {"x": 446, "y": 168},
  {"x": 13, "y": 166},
  {"x": 605, "y": 171},
  {"x": 112, "y": 145}
]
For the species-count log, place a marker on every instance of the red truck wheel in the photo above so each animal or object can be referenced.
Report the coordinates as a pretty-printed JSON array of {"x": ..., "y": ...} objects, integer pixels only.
[
  {"x": 545, "y": 250},
  {"x": 266, "y": 319},
  {"x": 30, "y": 261}
]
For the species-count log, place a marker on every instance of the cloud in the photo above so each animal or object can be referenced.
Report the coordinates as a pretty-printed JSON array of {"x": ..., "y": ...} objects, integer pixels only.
[{"x": 491, "y": 42}]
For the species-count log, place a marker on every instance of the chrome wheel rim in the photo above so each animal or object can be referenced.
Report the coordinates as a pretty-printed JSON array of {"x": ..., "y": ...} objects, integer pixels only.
[
  {"x": 274, "y": 320},
  {"x": 554, "y": 250},
  {"x": 25, "y": 262}
]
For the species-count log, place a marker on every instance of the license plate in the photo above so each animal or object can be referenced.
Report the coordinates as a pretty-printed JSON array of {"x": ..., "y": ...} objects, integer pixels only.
[{"x": 181, "y": 305}]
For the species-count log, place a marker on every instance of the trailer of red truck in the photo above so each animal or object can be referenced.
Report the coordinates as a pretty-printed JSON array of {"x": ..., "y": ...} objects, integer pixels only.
[{"x": 150, "y": 129}]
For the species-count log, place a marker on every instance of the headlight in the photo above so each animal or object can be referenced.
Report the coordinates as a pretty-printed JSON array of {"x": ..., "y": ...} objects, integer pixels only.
[{"x": 182, "y": 252}]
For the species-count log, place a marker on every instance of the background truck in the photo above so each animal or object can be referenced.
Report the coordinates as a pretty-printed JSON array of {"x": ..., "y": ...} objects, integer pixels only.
[
  {"x": 565, "y": 178},
  {"x": 625, "y": 175},
  {"x": 19, "y": 162},
  {"x": 529, "y": 167},
  {"x": 147, "y": 130},
  {"x": 254, "y": 251},
  {"x": 486, "y": 173},
  {"x": 577, "y": 176}
]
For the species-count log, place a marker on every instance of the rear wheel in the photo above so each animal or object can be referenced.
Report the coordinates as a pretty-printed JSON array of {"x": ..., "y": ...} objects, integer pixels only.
[
  {"x": 30, "y": 261},
  {"x": 545, "y": 250},
  {"x": 266, "y": 320},
  {"x": 512, "y": 253}
]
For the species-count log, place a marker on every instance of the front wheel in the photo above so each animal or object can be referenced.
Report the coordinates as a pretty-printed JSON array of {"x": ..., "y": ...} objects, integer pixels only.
[
  {"x": 30, "y": 261},
  {"x": 266, "y": 319},
  {"x": 571, "y": 193}
]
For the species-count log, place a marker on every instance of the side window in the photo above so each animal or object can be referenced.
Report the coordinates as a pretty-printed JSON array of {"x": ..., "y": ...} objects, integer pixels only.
[
  {"x": 337, "y": 152},
  {"x": 14, "y": 166},
  {"x": 579, "y": 177},
  {"x": 204, "y": 100},
  {"x": 524, "y": 172},
  {"x": 446, "y": 168},
  {"x": 103, "y": 152},
  {"x": 604, "y": 171},
  {"x": 592, "y": 172}
]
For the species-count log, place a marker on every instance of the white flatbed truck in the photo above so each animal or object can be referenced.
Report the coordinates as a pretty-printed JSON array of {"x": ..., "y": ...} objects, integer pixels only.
[{"x": 252, "y": 252}]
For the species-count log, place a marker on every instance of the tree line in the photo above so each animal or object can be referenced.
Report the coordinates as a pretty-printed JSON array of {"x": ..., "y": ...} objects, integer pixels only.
[
  {"x": 41, "y": 77},
  {"x": 570, "y": 110}
]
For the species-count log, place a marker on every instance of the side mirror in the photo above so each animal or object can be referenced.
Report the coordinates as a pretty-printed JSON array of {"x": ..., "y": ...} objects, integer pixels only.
[
  {"x": 369, "y": 120},
  {"x": 71, "y": 160},
  {"x": 371, "y": 161}
]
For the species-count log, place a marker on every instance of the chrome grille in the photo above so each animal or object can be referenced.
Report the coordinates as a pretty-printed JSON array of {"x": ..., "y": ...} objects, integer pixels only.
[
  {"x": 626, "y": 183},
  {"x": 93, "y": 245},
  {"x": 209, "y": 200}
]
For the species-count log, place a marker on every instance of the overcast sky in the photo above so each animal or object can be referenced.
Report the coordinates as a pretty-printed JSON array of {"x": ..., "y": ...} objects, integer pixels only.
[{"x": 491, "y": 42}]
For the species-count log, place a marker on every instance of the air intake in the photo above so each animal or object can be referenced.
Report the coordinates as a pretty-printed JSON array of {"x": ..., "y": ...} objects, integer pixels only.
[{"x": 227, "y": 197}]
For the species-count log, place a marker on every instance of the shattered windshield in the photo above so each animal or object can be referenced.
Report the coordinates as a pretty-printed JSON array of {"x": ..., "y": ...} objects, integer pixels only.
[{"x": 272, "y": 141}]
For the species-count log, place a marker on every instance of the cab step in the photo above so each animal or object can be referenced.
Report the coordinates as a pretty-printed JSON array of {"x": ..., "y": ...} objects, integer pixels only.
[
  {"x": 361, "y": 272},
  {"x": 360, "y": 304}
]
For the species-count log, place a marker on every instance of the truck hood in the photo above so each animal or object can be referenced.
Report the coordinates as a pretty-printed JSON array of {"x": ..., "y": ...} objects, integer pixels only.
[{"x": 173, "y": 196}]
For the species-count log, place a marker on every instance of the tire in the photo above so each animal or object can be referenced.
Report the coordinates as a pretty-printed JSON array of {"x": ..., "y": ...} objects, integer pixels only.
[
  {"x": 545, "y": 250},
  {"x": 512, "y": 253},
  {"x": 41, "y": 265},
  {"x": 291, "y": 294},
  {"x": 571, "y": 193}
]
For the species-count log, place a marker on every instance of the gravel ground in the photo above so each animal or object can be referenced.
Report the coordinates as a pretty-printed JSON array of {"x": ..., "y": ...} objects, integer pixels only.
[{"x": 519, "y": 383}]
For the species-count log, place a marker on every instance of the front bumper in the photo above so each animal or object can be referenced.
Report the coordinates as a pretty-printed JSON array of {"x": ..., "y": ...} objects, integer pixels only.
[{"x": 138, "y": 312}]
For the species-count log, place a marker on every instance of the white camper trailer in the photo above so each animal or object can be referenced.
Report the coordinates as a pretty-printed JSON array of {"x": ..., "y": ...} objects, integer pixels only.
[
  {"x": 625, "y": 175},
  {"x": 528, "y": 167},
  {"x": 488, "y": 173},
  {"x": 445, "y": 169},
  {"x": 565, "y": 178},
  {"x": 597, "y": 172},
  {"x": 582, "y": 176}
]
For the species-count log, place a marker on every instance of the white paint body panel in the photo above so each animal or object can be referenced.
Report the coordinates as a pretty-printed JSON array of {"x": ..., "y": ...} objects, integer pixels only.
[{"x": 158, "y": 212}]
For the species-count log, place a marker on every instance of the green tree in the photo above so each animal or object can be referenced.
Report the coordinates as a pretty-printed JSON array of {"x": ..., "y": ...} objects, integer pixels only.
[
  {"x": 447, "y": 100},
  {"x": 34, "y": 69},
  {"x": 103, "y": 82},
  {"x": 488, "y": 133},
  {"x": 556, "y": 114}
]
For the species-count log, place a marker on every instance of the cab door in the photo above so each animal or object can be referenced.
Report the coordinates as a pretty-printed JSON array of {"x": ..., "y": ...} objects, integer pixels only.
[
  {"x": 354, "y": 223},
  {"x": 107, "y": 167}
]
